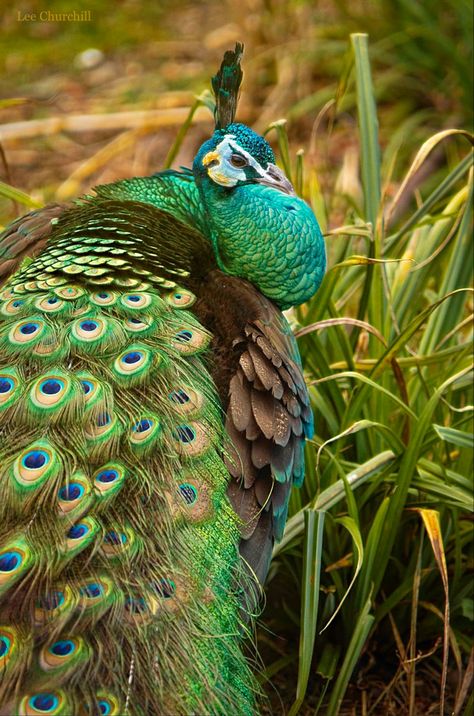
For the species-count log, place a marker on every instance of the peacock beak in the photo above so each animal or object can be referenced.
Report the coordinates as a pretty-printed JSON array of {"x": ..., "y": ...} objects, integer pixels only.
[{"x": 276, "y": 178}]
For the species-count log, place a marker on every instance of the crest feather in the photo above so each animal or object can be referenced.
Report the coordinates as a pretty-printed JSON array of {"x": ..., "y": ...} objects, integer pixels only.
[{"x": 225, "y": 85}]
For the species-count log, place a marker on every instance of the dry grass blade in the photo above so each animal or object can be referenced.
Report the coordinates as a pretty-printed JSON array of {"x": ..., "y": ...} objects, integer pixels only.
[
  {"x": 433, "y": 528},
  {"x": 152, "y": 119},
  {"x": 72, "y": 186},
  {"x": 341, "y": 322},
  {"x": 466, "y": 685},
  {"x": 421, "y": 156},
  {"x": 410, "y": 664}
]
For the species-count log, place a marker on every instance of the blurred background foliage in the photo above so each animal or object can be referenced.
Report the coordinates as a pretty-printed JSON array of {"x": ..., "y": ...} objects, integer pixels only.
[
  {"x": 150, "y": 56},
  {"x": 378, "y": 547}
]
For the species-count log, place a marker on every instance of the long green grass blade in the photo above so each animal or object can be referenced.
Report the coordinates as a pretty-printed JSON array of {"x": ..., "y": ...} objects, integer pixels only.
[
  {"x": 204, "y": 100},
  {"x": 11, "y": 192},
  {"x": 406, "y": 473},
  {"x": 359, "y": 637},
  {"x": 455, "y": 437},
  {"x": 334, "y": 494},
  {"x": 314, "y": 525},
  {"x": 352, "y": 527},
  {"x": 368, "y": 128}
]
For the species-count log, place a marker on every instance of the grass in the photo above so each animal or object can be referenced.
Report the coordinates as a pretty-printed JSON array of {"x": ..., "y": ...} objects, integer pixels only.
[
  {"x": 369, "y": 598},
  {"x": 387, "y": 352}
]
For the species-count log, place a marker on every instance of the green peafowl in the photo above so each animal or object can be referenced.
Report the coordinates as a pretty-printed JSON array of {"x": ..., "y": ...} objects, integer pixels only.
[{"x": 153, "y": 416}]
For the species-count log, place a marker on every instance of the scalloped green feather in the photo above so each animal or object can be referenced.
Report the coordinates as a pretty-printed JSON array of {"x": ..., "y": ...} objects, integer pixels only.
[
  {"x": 136, "y": 364},
  {"x": 95, "y": 334},
  {"x": 11, "y": 387},
  {"x": 78, "y": 537},
  {"x": 38, "y": 703},
  {"x": 16, "y": 647},
  {"x": 145, "y": 433},
  {"x": 62, "y": 659},
  {"x": 53, "y": 397},
  {"x": 16, "y": 558},
  {"x": 75, "y": 497},
  {"x": 33, "y": 466}
]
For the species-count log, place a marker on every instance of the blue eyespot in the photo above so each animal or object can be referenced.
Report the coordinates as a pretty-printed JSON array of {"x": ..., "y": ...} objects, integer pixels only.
[
  {"x": 28, "y": 328},
  {"x": 17, "y": 304},
  {"x": 88, "y": 325},
  {"x": 179, "y": 396},
  {"x": 6, "y": 384},
  {"x": 136, "y": 606},
  {"x": 115, "y": 538},
  {"x": 104, "y": 295},
  {"x": 77, "y": 531},
  {"x": 104, "y": 708},
  {"x": 52, "y": 300},
  {"x": 35, "y": 459},
  {"x": 132, "y": 357},
  {"x": 9, "y": 561},
  {"x": 184, "y": 336},
  {"x": 71, "y": 492},
  {"x": 51, "y": 601},
  {"x": 136, "y": 300},
  {"x": 164, "y": 588},
  {"x": 107, "y": 476},
  {"x": 4, "y": 646},
  {"x": 44, "y": 702},
  {"x": 87, "y": 386},
  {"x": 188, "y": 493},
  {"x": 62, "y": 648},
  {"x": 51, "y": 387},
  {"x": 91, "y": 590},
  {"x": 185, "y": 433},
  {"x": 180, "y": 299},
  {"x": 103, "y": 419},
  {"x": 143, "y": 425},
  {"x": 135, "y": 320}
]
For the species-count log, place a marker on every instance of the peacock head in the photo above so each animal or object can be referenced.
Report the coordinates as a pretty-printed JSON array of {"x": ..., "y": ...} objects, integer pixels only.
[
  {"x": 260, "y": 230},
  {"x": 237, "y": 155}
]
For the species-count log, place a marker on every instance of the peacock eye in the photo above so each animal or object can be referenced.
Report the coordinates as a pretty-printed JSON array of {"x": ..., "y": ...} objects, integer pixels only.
[{"x": 238, "y": 161}]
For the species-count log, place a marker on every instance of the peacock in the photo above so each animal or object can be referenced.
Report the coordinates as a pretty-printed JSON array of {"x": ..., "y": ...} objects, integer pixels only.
[{"x": 153, "y": 415}]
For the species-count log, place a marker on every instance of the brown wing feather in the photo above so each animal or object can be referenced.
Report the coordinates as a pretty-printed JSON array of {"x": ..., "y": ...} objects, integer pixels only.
[
  {"x": 26, "y": 237},
  {"x": 267, "y": 407}
]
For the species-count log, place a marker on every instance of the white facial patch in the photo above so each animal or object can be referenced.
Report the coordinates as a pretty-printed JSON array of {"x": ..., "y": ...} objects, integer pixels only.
[{"x": 224, "y": 173}]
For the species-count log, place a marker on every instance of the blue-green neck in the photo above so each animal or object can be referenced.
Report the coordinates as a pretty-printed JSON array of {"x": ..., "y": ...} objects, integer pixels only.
[
  {"x": 258, "y": 233},
  {"x": 267, "y": 237}
]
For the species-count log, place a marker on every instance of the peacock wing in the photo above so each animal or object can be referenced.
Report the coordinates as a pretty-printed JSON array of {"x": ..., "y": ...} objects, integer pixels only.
[
  {"x": 268, "y": 414},
  {"x": 173, "y": 191},
  {"x": 26, "y": 237}
]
